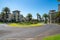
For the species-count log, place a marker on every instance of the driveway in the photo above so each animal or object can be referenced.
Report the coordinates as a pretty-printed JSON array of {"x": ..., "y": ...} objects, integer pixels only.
[{"x": 14, "y": 32}]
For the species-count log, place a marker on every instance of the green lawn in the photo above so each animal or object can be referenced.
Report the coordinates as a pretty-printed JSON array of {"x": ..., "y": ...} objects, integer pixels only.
[
  {"x": 1, "y": 22},
  {"x": 25, "y": 25},
  {"x": 54, "y": 37}
]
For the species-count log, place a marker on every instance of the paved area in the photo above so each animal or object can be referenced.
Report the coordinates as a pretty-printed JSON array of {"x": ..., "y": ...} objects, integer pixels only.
[{"x": 30, "y": 33}]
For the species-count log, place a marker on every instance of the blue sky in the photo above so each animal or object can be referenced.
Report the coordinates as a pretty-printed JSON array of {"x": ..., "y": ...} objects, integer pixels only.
[{"x": 30, "y": 6}]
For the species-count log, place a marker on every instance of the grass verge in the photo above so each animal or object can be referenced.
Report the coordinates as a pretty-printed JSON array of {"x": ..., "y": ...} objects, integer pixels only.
[
  {"x": 25, "y": 25},
  {"x": 54, "y": 37}
]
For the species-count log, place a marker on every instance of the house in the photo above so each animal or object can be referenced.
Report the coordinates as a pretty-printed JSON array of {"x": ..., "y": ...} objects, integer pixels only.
[
  {"x": 52, "y": 14},
  {"x": 16, "y": 14}
]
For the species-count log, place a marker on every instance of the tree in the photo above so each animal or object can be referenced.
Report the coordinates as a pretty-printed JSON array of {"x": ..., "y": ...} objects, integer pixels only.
[
  {"x": 6, "y": 11},
  {"x": 58, "y": 17},
  {"x": 58, "y": 0},
  {"x": 58, "y": 14},
  {"x": 45, "y": 17},
  {"x": 38, "y": 17},
  {"x": 29, "y": 16},
  {"x": 3, "y": 17}
]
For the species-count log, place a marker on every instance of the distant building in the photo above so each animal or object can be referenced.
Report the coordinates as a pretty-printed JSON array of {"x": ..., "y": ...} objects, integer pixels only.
[
  {"x": 22, "y": 18},
  {"x": 52, "y": 14},
  {"x": 16, "y": 14},
  {"x": 9, "y": 17}
]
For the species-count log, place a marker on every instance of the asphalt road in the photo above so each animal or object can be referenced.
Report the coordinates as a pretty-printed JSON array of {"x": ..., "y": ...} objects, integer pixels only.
[{"x": 13, "y": 32}]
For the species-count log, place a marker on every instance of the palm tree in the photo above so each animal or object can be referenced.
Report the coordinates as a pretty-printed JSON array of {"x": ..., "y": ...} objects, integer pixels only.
[
  {"x": 6, "y": 11},
  {"x": 45, "y": 17},
  {"x": 38, "y": 17},
  {"x": 29, "y": 16}
]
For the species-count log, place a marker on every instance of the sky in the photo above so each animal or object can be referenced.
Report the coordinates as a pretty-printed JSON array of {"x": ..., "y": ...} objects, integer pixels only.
[{"x": 30, "y": 6}]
